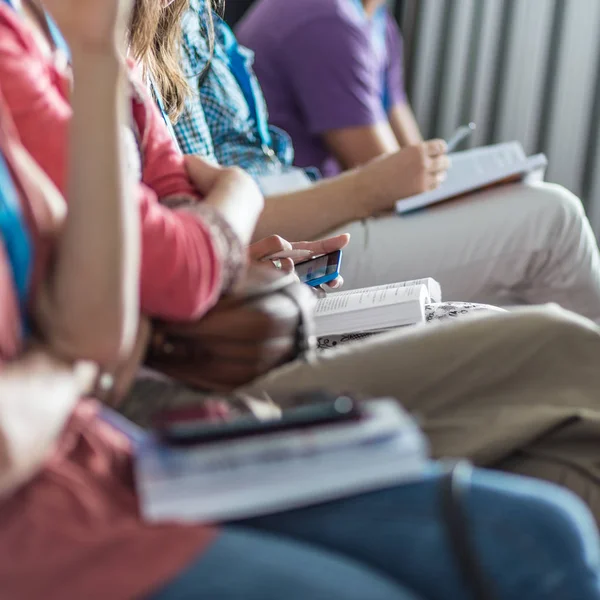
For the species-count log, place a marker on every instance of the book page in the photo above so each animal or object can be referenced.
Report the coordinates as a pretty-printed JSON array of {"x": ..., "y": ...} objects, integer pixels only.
[
  {"x": 434, "y": 290},
  {"x": 354, "y": 300},
  {"x": 470, "y": 170}
]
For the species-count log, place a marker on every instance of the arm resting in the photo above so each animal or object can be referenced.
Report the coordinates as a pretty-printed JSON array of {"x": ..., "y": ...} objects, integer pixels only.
[{"x": 37, "y": 395}]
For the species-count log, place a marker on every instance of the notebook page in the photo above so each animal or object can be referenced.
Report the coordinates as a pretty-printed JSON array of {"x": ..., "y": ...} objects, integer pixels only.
[
  {"x": 355, "y": 300},
  {"x": 471, "y": 170}
]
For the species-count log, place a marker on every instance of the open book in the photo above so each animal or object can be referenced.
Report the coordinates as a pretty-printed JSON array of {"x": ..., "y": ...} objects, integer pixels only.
[
  {"x": 477, "y": 169},
  {"x": 375, "y": 308}
]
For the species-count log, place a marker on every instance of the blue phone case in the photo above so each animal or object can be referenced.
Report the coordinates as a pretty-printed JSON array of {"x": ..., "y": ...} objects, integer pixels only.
[{"x": 327, "y": 278}]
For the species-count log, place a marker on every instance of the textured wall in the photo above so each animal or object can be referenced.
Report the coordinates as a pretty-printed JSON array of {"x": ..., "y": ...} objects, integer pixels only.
[{"x": 522, "y": 69}]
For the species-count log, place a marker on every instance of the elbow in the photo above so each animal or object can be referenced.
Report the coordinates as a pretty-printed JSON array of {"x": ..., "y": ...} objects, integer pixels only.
[
  {"x": 185, "y": 305},
  {"x": 101, "y": 337},
  {"x": 189, "y": 293},
  {"x": 104, "y": 347}
]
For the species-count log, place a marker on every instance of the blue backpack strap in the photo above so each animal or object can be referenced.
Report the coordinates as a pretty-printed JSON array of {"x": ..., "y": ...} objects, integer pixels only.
[
  {"x": 237, "y": 61},
  {"x": 57, "y": 37},
  {"x": 15, "y": 238},
  {"x": 163, "y": 110}
]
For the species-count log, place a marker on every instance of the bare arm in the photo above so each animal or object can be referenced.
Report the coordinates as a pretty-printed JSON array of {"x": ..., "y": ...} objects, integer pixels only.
[
  {"x": 355, "y": 146},
  {"x": 404, "y": 125},
  {"x": 90, "y": 303},
  {"x": 29, "y": 427},
  {"x": 356, "y": 194},
  {"x": 312, "y": 212},
  {"x": 230, "y": 191}
]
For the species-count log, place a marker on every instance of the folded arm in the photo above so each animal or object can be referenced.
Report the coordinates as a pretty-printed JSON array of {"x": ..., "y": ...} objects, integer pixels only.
[
  {"x": 88, "y": 306},
  {"x": 181, "y": 261}
]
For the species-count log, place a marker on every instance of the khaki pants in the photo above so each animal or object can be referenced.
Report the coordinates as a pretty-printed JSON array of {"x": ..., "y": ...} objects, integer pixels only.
[
  {"x": 512, "y": 245},
  {"x": 516, "y": 391}
]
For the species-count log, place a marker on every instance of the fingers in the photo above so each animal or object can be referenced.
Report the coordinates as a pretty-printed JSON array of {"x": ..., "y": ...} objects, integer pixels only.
[
  {"x": 435, "y": 180},
  {"x": 435, "y": 148},
  {"x": 439, "y": 164},
  {"x": 336, "y": 284},
  {"x": 324, "y": 246},
  {"x": 267, "y": 247},
  {"x": 287, "y": 265}
]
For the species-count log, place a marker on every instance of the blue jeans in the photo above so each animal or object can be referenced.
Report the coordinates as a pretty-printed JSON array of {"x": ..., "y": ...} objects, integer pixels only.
[{"x": 534, "y": 540}]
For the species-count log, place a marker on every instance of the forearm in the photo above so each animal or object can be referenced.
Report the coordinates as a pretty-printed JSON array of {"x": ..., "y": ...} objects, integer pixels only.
[
  {"x": 356, "y": 146},
  {"x": 312, "y": 212},
  {"x": 37, "y": 395},
  {"x": 405, "y": 126},
  {"x": 93, "y": 289},
  {"x": 238, "y": 200}
]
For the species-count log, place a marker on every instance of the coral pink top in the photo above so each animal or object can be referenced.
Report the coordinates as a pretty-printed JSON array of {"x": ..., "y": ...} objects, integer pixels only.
[
  {"x": 182, "y": 265},
  {"x": 74, "y": 531}
]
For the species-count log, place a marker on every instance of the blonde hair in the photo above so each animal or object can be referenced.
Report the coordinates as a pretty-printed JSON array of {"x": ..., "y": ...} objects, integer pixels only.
[{"x": 155, "y": 42}]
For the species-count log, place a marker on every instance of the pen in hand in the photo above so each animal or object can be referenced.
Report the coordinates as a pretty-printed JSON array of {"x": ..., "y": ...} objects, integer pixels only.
[{"x": 461, "y": 134}]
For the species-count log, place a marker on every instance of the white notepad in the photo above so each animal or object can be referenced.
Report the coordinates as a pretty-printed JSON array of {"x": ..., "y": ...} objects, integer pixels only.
[{"x": 477, "y": 169}]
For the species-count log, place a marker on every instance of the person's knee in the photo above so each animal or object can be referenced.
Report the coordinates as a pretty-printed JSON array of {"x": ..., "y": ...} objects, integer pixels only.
[
  {"x": 559, "y": 519},
  {"x": 553, "y": 323},
  {"x": 558, "y": 204},
  {"x": 263, "y": 566},
  {"x": 538, "y": 524}
]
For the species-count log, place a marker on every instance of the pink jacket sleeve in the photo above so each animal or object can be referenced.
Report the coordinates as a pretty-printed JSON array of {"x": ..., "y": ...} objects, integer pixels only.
[{"x": 181, "y": 266}]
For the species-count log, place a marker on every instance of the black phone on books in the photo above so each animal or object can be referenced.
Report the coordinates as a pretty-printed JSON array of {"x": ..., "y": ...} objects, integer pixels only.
[{"x": 188, "y": 426}]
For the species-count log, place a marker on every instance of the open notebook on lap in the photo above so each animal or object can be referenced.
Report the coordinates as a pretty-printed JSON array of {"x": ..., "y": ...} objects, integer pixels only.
[{"x": 478, "y": 169}]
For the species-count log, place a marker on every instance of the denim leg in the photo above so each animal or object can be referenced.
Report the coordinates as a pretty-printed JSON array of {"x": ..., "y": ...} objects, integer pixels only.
[
  {"x": 250, "y": 565},
  {"x": 534, "y": 540}
]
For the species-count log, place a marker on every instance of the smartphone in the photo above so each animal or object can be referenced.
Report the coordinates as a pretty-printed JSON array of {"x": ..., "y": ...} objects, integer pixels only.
[
  {"x": 188, "y": 427},
  {"x": 320, "y": 269}
]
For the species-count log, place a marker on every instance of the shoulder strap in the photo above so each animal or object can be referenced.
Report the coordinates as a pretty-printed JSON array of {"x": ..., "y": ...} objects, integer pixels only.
[
  {"x": 161, "y": 106},
  {"x": 238, "y": 63},
  {"x": 57, "y": 37},
  {"x": 15, "y": 237},
  {"x": 455, "y": 487}
]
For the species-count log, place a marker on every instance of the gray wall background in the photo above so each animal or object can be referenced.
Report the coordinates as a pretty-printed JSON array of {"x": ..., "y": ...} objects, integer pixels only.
[{"x": 521, "y": 69}]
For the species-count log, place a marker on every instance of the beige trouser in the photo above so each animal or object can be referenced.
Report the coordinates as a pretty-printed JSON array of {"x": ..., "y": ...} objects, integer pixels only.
[
  {"x": 515, "y": 391},
  {"x": 512, "y": 245}
]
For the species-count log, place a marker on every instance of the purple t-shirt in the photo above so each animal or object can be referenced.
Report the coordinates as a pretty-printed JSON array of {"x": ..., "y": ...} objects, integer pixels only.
[{"x": 322, "y": 66}]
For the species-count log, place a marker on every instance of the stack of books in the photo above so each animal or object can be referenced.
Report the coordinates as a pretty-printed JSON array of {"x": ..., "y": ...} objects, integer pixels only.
[{"x": 249, "y": 476}]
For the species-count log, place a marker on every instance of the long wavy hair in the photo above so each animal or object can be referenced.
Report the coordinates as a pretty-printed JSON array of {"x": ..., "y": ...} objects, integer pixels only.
[{"x": 155, "y": 43}]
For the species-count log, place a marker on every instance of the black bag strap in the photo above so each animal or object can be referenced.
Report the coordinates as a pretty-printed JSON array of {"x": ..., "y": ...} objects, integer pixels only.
[{"x": 455, "y": 485}]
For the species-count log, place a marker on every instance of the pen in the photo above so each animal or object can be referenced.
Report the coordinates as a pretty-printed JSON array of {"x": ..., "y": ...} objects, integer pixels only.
[{"x": 461, "y": 134}]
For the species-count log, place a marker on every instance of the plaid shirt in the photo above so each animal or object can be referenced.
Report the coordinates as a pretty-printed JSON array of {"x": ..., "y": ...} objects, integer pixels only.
[{"x": 216, "y": 122}]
